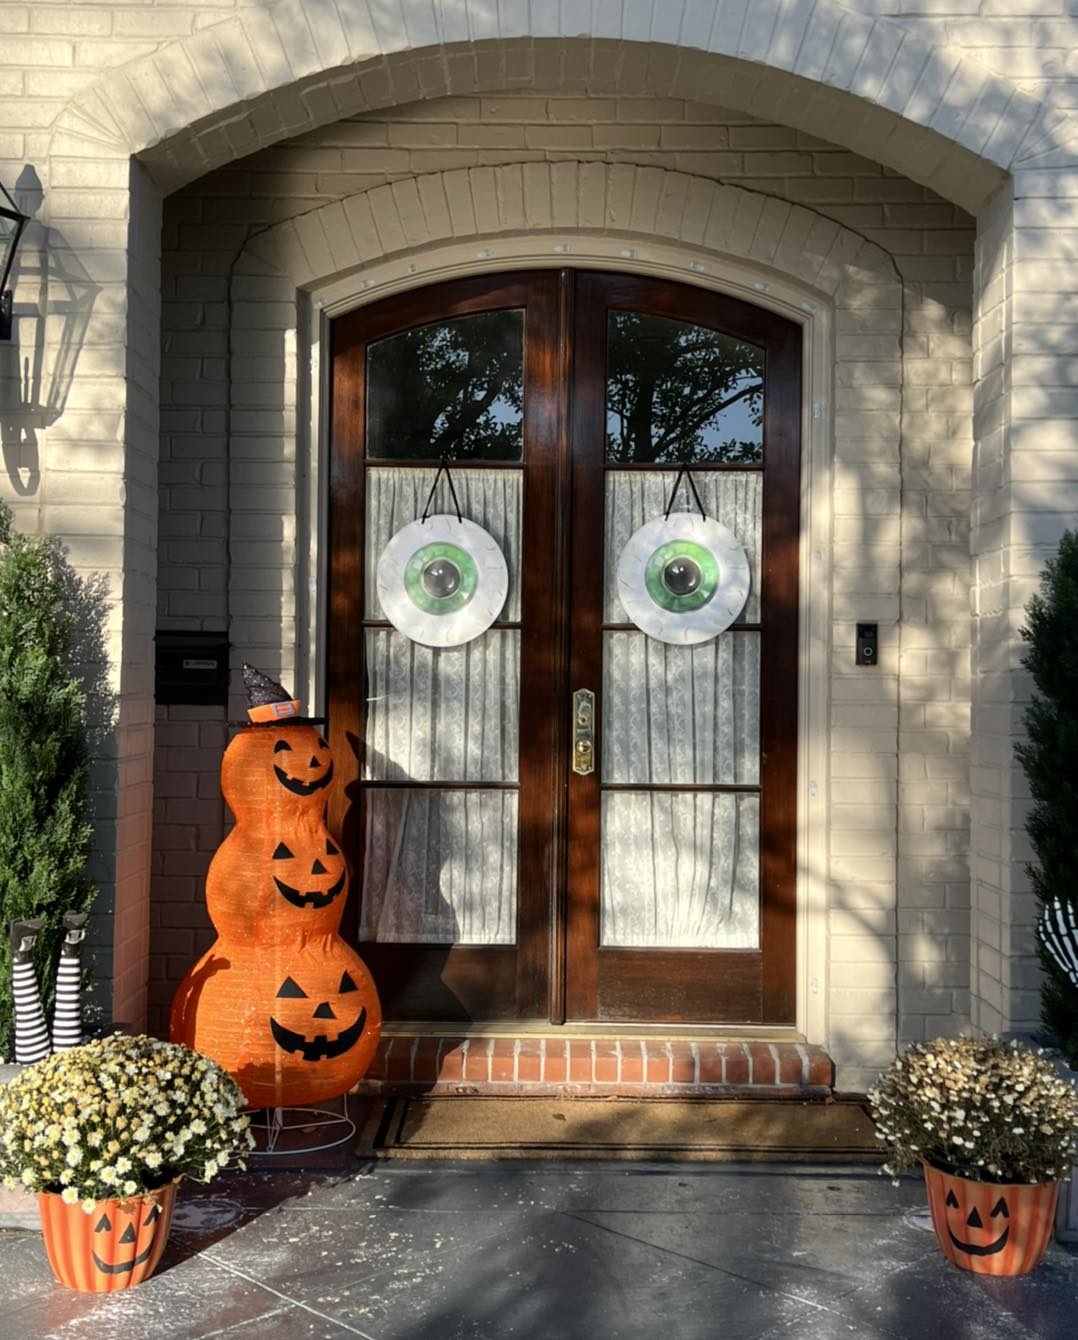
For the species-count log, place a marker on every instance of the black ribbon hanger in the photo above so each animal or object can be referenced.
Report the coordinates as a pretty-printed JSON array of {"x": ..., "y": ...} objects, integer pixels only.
[
  {"x": 684, "y": 472},
  {"x": 443, "y": 468}
]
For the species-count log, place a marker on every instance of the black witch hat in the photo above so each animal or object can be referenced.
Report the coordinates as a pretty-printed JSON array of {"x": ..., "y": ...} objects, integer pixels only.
[{"x": 269, "y": 701}]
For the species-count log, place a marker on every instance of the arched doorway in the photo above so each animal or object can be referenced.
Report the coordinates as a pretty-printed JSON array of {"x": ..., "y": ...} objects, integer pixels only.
[{"x": 494, "y": 879}]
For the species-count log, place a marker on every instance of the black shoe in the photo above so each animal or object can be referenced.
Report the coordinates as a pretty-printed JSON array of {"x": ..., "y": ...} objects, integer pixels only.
[
  {"x": 75, "y": 928},
  {"x": 23, "y": 936}
]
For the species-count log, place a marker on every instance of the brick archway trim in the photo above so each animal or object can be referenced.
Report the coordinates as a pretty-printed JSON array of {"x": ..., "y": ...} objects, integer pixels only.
[
  {"x": 271, "y": 72},
  {"x": 619, "y": 200}
]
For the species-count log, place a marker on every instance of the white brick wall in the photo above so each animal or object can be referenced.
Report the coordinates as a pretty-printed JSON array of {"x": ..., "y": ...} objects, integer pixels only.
[{"x": 954, "y": 93}]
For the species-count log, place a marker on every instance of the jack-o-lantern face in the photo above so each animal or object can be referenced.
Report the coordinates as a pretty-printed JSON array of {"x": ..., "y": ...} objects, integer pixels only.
[
  {"x": 303, "y": 777},
  {"x": 307, "y": 882},
  {"x": 991, "y": 1228},
  {"x": 993, "y": 1240},
  {"x": 129, "y": 1239},
  {"x": 304, "y": 1038}
]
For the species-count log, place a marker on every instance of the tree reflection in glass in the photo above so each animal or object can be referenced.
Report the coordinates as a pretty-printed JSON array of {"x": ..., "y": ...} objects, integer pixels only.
[
  {"x": 450, "y": 389},
  {"x": 680, "y": 394}
]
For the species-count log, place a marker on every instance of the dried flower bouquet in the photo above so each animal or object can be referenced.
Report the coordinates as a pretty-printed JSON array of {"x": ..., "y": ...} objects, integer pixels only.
[
  {"x": 117, "y": 1117},
  {"x": 978, "y": 1108}
]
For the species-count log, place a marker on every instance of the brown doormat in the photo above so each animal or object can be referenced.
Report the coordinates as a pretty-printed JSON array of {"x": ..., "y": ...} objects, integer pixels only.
[{"x": 466, "y": 1127}]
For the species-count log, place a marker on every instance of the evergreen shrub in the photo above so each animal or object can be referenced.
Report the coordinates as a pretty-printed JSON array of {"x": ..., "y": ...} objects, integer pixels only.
[
  {"x": 1050, "y": 760},
  {"x": 45, "y": 829}
]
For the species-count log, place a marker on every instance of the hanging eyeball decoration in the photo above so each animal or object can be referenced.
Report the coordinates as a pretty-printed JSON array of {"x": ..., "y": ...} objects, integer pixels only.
[
  {"x": 683, "y": 578},
  {"x": 442, "y": 580}
]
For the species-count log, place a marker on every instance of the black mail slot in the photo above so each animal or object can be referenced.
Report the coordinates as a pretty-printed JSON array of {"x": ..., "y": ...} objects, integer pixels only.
[{"x": 192, "y": 668}]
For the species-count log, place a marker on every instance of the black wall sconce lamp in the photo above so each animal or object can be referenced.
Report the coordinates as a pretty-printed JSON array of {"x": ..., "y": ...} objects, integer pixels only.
[{"x": 12, "y": 222}]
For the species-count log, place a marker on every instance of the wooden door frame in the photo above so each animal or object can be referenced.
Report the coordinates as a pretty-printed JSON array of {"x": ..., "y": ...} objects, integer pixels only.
[
  {"x": 757, "y": 986},
  {"x": 517, "y": 978},
  {"x": 543, "y": 978}
]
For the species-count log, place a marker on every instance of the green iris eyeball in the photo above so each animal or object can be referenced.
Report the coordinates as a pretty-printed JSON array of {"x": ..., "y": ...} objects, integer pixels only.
[
  {"x": 681, "y": 576},
  {"x": 440, "y": 578}
]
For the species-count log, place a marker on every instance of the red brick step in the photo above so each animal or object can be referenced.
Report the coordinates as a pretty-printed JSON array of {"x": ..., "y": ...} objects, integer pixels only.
[{"x": 597, "y": 1066}]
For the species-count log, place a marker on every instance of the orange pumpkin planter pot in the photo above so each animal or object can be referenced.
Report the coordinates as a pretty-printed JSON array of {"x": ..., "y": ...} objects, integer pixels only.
[
  {"x": 117, "y": 1246},
  {"x": 281, "y": 1001},
  {"x": 988, "y": 1228}
]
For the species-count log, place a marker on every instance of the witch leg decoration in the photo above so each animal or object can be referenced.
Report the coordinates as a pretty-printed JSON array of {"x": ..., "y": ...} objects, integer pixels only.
[
  {"x": 67, "y": 1017},
  {"x": 31, "y": 1031}
]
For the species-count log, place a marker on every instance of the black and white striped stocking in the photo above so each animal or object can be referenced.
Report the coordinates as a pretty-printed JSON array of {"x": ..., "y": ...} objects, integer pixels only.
[
  {"x": 1059, "y": 934},
  {"x": 67, "y": 1016},
  {"x": 31, "y": 1032}
]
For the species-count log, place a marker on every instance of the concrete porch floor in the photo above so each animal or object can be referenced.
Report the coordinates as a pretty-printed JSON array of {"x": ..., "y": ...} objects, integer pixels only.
[{"x": 441, "y": 1251}]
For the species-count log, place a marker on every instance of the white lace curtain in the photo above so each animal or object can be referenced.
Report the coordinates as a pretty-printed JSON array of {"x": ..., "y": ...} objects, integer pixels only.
[
  {"x": 440, "y": 866},
  {"x": 681, "y": 869},
  {"x": 634, "y": 496},
  {"x": 490, "y": 498}
]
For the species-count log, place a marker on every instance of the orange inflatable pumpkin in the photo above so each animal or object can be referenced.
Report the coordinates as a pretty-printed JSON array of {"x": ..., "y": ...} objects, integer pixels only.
[
  {"x": 274, "y": 778},
  {"x": 280, "y": 1000},
  {"x": 991, "y": 1229}
]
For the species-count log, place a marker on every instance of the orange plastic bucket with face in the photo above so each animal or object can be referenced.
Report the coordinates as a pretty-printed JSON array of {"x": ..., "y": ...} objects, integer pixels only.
[
  {"x": 116, "y": 1246},
  {"x": 988, "y": 1228}
]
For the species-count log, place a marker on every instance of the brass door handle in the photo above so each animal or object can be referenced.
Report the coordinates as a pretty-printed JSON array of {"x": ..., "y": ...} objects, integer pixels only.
[{"x": 583, "y": 732}]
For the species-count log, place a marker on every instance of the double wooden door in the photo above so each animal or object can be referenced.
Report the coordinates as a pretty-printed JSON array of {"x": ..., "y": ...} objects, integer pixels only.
[{"x": 492, "y": 878}]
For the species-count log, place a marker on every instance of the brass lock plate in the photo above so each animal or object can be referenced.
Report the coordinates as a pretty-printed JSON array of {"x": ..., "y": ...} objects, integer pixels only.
[{"x": 583, "y": 732}]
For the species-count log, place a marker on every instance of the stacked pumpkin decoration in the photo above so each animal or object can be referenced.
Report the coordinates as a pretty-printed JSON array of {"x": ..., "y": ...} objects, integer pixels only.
[{"x": 280, "y": 1001}]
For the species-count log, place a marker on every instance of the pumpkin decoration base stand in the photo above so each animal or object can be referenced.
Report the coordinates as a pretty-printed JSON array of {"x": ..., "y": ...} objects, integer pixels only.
[{"x": 300, "y": 1130}]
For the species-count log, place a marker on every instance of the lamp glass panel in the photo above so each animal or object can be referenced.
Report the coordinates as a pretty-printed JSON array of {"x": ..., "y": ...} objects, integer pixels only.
[{"x": 9, "y": 234}]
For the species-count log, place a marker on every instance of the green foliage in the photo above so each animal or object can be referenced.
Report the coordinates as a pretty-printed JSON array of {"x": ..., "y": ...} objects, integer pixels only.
[
  {"x": 1050, "y": 761},
  {"x": 45, "y": 832}
]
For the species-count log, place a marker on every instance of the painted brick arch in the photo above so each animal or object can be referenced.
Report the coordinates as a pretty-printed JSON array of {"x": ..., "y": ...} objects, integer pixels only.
[
  {"x": 279, "y": 70},
  {"x": 473, "y": 204}
]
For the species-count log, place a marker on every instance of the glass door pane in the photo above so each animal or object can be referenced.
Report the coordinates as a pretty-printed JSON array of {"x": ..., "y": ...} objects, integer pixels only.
[
  {"x": 448, "y": 388},
  {"x": 440, "y": 862},
  {"x": 677, "y": 393},
  {"x": 680, "y": 868}
]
